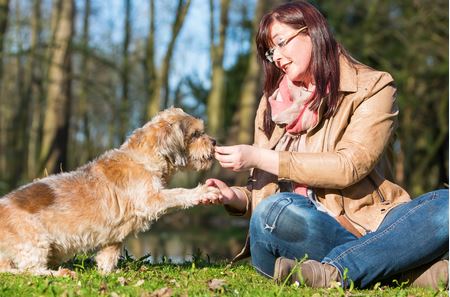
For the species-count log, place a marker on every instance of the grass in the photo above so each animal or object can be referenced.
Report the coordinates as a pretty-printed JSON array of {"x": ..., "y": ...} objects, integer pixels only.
[{"x": 136, "y": 277}]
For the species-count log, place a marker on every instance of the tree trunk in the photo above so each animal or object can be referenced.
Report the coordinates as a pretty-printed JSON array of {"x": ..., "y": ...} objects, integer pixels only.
[
  {"x": 86, "y": 154},
  {"x": 35, "y": 89},
  {"x": 215, "y": 102},
  {"x": 251, "y": 92},
  {"x": 4, "y": 11},
  {"x": 124, "y": 111},
  {"x": 161, "y": 88},
  {"x": 150, "y": 69},
  {"x": 19, "y": 139},
  {"x": 58, "y": 112}
]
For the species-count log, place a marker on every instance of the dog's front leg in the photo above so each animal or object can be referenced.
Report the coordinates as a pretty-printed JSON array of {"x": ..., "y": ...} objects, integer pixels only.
[
  {"x": 183, "y": 198},
  {"x": 107, "y": 257}
]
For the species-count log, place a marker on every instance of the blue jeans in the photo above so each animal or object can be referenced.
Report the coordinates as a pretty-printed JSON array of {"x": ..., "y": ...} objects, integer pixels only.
[{"x": 289, "y": 225}]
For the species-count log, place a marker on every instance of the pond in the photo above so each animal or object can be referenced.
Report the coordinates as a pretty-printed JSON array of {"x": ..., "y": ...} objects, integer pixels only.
[{"x": 205, "y": 231}]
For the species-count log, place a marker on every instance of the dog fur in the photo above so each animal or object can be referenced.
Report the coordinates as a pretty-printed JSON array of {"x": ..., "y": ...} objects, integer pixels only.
[{"x": 95, "y": 207}]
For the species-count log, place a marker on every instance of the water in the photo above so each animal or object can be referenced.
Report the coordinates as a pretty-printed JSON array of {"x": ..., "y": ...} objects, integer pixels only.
[{"x": 208, "y": 232}]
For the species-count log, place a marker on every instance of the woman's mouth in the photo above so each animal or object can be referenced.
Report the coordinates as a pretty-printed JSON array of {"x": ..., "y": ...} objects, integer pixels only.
[{"x": 284, "y": 67}]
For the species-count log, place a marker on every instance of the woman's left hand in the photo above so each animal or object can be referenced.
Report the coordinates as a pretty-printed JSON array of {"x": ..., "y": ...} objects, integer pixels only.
[
  {"x": 237, "y": 157},
  {"x": 244, "y": 157}
]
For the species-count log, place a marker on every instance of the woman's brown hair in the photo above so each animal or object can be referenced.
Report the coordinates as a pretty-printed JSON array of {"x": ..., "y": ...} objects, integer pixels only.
[{"x": 325, "y": 55}]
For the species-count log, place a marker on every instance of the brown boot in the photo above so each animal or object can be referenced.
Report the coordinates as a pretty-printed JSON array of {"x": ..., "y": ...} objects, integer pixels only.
[
  {"x": 312, "y": 273},
  {"x": 284, "y": 268},
  {"x": 427, "y": 276}
]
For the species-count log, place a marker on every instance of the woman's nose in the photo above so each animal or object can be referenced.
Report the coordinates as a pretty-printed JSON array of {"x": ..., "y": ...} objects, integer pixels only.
[{"x": 276, "y": 54}]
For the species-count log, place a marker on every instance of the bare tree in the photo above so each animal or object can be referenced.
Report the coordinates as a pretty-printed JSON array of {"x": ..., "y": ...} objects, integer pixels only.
[
  {"x": 161, "y": 87},
  {"x": 251, "y": 92},
  {"x": 215, "y": 102},
  {"x": 149, "y": 61},
  {"x": 35, "y": 89},
  {"x": 4, "y": 11},
  {"x": 84, "y": 101},
  {"x": 124, "y": 111},
  {"x": 18, "y": 140},
  {"x": 58, "y": 112}
]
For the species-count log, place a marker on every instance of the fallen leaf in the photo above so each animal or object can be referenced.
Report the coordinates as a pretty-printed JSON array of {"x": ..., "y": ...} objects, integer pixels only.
[
  {"x": 163, "y": 292},
  {"x": 143, "y": 268},
  {"x": 174, "y": 282},
  {"x": 139, "y": 283},
  {"x": 122, "y": 281},
  {"x": 103, "y": 288},
  {"x": 216, "y": 284}
]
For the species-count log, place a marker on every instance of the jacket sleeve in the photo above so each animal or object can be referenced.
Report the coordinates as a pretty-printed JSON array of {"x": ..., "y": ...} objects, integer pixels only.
[
  {"x": 244, "y": 212},
  {"x": 361, "y": 146}
]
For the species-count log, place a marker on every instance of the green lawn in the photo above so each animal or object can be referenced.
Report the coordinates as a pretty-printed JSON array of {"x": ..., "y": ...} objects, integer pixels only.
[{"x": 198, "y": 278}]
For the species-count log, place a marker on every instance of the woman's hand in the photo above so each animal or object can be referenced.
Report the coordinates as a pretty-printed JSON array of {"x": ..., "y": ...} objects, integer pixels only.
[
  {"x": 227, "y": 196},
  {"x": 237, "y": 157},
  {"x": 226, "y": 193},
  {"x": 244, "y": 157}
]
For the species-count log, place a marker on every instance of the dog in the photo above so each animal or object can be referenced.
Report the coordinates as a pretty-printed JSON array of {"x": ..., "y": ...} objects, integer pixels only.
[{"x": 93, "y": 208}]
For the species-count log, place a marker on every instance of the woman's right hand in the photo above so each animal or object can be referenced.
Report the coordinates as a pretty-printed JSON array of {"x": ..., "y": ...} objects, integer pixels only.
[
  {"x": 226, "y": 193},
  {"x": 228, "y": 196}
]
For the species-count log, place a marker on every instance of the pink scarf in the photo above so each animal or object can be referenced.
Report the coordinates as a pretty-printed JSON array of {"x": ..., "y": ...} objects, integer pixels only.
[{"x": 288, "y": 105}]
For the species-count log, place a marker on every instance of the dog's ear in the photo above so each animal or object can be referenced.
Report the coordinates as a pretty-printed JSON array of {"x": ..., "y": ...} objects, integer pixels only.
[{"x": 171, "y": 143}]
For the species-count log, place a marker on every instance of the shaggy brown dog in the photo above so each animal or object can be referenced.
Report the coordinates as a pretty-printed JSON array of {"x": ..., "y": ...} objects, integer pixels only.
[{"x": 95, "y": 207}]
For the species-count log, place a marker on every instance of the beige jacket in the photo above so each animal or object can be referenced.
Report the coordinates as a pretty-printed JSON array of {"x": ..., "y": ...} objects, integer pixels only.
[{"x": 345, "y": 157}]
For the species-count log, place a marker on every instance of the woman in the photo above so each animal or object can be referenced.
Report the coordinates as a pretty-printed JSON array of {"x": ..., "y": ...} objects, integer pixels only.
[{"x": 319, "y": 185}]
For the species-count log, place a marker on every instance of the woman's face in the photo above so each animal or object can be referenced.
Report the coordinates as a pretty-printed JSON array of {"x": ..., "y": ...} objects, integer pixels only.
[{"x": 295, "y": 56}]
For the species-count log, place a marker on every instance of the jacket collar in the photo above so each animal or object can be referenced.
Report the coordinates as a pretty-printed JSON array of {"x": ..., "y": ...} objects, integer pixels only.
[
  {"x": 349, "y": 80},
  {"x": 277, "y": 133}
]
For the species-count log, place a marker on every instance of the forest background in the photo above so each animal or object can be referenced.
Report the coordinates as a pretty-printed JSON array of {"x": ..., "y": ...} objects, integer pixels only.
[{"x": 77, "y": 76}]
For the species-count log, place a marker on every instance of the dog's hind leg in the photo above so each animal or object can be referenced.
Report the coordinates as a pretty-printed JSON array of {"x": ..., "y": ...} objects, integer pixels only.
[
  {"x": 32, "y": 257},
  {"x": 6, "y": 265},
  {"x": 107, "y": 257}
]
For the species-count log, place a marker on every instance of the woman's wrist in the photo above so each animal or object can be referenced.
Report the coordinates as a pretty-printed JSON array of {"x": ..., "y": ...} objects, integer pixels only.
[
  {"x": 238, "y": 202},
  {"x": 267, "y": 160}
]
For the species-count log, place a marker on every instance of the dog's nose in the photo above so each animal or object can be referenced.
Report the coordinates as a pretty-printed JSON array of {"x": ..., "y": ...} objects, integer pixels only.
[{"x": 213, "y": 141}]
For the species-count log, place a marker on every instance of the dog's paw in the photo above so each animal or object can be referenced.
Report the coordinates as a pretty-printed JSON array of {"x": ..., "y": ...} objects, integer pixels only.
[
  {"x": 209, "y": 195},
  {"x": 212, "y": 193}
]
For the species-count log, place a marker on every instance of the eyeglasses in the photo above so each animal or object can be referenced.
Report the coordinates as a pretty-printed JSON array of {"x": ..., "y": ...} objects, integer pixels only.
[{"x": 281, "y": 44}]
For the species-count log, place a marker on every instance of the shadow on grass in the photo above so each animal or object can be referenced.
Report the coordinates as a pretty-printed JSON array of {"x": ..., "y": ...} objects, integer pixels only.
[{"x": 85, "y": 262}]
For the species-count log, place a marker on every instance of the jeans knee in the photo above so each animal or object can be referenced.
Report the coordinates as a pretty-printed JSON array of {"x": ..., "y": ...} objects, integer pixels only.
[
  {"x": 442, "y": 215},
  {"x": 441, "y": 198},
  {"x": 280, "y": 214},
  {"x": 256, "y": 225},
  {"x": 265, "y": 214},
  {"x": 443, "y": 195}
]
